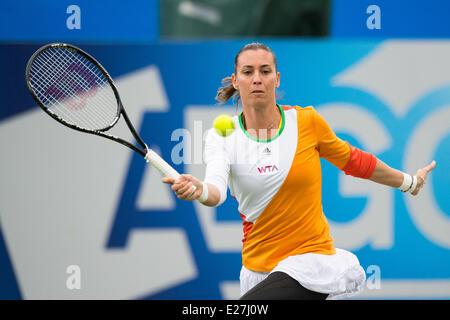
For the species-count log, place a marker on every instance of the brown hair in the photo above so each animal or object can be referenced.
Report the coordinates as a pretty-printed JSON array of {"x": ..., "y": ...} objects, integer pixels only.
[{"x": 227, "y": 91}]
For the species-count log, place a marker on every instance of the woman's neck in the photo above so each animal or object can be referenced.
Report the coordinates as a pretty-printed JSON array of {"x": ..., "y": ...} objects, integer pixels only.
[{"x": 263, "y": 122}]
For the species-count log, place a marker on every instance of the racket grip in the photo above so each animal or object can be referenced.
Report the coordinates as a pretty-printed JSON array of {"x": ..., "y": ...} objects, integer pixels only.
[{"x": 162, "y": 166}]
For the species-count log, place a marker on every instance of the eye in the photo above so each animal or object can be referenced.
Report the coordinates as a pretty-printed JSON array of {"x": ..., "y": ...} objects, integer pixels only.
[
  {"x": 246, "y": 72},
  {"x": 265, "y": 71}
]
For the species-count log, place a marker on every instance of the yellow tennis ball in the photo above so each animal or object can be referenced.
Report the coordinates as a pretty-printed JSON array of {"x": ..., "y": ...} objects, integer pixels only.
[{"x": 224, "y": 125}]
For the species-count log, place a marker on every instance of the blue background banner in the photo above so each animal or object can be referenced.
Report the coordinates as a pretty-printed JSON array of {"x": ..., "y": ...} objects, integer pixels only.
[
  {"x": 138, "y": 21},
  {"x": 370, "y": 92}
]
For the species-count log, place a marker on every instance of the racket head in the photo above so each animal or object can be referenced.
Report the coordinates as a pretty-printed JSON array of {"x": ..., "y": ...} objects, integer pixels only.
[{"x": 73, "y": 88}]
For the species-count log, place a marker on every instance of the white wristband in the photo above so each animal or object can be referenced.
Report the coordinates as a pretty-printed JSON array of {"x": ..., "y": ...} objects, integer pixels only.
[
  {"x": 204, "y": 196},
  {"x": 414, "y": 185},
  {"x": 407, "y": 182}
]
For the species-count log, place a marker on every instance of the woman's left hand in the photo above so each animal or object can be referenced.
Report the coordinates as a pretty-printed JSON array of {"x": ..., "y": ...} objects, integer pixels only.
[{"x": 421, "y": 175}]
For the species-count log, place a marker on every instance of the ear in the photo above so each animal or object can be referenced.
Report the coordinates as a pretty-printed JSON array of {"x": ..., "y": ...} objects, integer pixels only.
[
  {"x": 234, "y": 82},
  {"x": 278, "y": 80}
]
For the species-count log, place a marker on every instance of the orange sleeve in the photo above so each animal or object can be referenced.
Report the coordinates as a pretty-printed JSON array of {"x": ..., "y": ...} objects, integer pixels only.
[
  {"x": 361, "y": 164},
  {"x": 351, "y": 160},
  {"x": 330, "y": 146}
]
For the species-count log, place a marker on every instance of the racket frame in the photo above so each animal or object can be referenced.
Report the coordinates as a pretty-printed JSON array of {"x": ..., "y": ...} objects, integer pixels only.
[{"x": 120, "y": 108}]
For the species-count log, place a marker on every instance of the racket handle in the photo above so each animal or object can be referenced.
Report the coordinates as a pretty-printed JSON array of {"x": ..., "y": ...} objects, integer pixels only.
[{"x": 162, "y": 166}]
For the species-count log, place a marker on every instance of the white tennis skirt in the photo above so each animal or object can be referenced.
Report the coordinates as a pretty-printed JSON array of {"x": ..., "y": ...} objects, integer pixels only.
[{"x": 339, "y": 275}]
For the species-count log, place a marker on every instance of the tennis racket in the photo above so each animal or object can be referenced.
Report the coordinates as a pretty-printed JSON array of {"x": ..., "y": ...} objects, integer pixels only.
[{"x": 75, "y": 90}]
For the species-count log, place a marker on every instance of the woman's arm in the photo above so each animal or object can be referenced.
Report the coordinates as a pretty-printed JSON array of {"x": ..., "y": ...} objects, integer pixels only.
[
  {"x": 392, "y": 177},
  {"x": 213, "y": 190},
  {"x": 362, "y": 164}
]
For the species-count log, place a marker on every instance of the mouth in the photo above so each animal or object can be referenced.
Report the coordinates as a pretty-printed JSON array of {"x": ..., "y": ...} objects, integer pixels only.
[{"x": 257, "y": 92}]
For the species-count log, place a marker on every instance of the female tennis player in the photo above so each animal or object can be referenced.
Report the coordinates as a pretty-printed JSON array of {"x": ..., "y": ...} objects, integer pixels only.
[{"x": 271, "y": 164}]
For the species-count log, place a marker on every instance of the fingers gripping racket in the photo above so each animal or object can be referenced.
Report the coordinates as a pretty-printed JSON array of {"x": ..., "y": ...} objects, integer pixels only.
[{"x": 75, "y": 90}]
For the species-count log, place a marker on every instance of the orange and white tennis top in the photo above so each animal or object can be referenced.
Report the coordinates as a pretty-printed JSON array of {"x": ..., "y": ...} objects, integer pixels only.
[{"x": 278, "y": 185}]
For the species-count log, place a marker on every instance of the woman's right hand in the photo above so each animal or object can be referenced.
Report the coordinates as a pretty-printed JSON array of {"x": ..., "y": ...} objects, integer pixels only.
[{"x": 184, "y": 186}]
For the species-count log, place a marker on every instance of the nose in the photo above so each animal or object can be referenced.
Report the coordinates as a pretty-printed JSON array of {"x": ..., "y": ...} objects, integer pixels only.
[{"x": 256, "y": 78}]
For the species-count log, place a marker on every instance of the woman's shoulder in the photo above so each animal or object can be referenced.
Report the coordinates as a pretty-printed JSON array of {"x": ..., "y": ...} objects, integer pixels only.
[
  {"x": 303, "y": 113},
  {"x": 306, "y": 109}
]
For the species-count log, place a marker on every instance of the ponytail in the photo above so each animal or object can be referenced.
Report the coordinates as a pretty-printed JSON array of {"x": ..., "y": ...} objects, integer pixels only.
[{"x": 227, "y": 91}]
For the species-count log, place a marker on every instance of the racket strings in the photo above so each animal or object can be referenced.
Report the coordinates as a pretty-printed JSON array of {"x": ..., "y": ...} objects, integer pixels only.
[
  {"x": 41, "y": 80},
  {"x": 80, "y": 79},
  {"x": 64, "y": 110},
  {"x": 99, "y": 113},
  {"x": 68, "y": 62},
  {"x": 74, "y": 89},
  {"x": 56, "y": 107},
  {"x": 102, "y": 82}
]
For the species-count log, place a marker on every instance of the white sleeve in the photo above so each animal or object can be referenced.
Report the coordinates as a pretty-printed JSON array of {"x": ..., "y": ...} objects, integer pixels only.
[{"x": 217, "y": 163}]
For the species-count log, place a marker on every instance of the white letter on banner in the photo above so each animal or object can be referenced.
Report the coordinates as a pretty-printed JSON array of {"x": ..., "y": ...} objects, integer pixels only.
[
  {"x": 374, "y": 277},
  {"x": 181, "y": 152},
  {"x": 374, "y": 20},
  {"x": 74, "y": 20},
  {"x": 424, "y": 210},
  {"x": 74, "y": 280},
  {"x": 374, "y": 225}
]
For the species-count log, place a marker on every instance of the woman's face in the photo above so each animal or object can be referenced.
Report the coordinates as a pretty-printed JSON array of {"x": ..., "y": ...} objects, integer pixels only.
[{"x": 256, "y": 77}]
